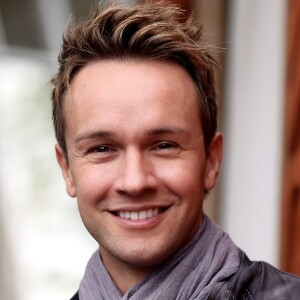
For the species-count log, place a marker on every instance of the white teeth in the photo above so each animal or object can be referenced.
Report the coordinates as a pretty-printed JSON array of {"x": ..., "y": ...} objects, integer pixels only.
[
  {"x": 134, "y": 215},
  {"x": 141, "y": 215}
]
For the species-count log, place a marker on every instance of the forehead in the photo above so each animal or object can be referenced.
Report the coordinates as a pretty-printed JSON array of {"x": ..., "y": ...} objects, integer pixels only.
[
  {"x": 110, "y": 73},
  {"x": 106, "y": 91}
]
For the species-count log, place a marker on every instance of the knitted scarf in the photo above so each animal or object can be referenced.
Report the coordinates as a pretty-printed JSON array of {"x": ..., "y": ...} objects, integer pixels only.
[{"x": 190, "y": 274}]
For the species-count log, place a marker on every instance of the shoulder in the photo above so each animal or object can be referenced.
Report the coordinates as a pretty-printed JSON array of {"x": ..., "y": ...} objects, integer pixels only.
[
  {"x": 259, "y": 280},
  {"x": 75, "y": 297}
]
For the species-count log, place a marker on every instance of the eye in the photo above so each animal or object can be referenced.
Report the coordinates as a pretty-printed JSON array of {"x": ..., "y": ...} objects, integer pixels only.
[
  {"x": 101, "y": 149},
  {"x": 101, "y": 153},
  {"x": 166, "y": 148},
  {"x": 166, "y": 145}
]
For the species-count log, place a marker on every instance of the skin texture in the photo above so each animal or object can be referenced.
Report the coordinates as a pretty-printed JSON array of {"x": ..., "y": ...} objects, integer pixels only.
[{"x": 135, "y": 143}]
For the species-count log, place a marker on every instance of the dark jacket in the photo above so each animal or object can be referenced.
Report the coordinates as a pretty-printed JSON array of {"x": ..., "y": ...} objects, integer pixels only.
[
  {"x": 254, "y": 281},
  {"x": 257, "y": 281}
]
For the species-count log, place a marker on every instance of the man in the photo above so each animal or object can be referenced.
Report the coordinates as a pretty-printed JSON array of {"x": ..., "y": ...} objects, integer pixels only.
[{"x": 135, "y": 119}]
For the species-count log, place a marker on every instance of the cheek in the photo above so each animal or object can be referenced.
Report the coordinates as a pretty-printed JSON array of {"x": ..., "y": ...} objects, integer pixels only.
[
  {"x": 92, "y": 184},
  {"x": 184, "y": 176}
]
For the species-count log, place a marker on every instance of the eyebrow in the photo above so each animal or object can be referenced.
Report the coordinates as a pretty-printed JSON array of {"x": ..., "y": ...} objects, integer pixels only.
[
  {"x": 94, "y": 134},
  {"x": 109, "y": 134},
  {"x": 167, "y": 130}
]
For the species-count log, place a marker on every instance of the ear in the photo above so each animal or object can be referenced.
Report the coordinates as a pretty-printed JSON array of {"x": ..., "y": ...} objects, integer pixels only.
[
  {"x": 66, "y": 172},
  {"x": 213, "y": 161}
]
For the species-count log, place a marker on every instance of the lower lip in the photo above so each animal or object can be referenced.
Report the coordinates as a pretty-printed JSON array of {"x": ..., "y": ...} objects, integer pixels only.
[{"x": 140, "y": 224}]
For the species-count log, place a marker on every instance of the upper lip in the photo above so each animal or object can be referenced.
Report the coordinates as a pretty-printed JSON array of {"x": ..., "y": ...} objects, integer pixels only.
[{"x": 139, "y": 208}]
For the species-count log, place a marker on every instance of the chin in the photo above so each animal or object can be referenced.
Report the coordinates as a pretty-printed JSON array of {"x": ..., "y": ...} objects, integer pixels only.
[{"x": 150, "y": 255}]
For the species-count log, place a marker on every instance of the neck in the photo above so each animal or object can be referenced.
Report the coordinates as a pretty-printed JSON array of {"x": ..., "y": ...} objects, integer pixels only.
[{"x": 124, "y": 276}]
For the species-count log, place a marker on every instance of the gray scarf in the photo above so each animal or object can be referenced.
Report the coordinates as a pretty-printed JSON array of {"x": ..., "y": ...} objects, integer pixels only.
[{"x": 191, "y": 273}]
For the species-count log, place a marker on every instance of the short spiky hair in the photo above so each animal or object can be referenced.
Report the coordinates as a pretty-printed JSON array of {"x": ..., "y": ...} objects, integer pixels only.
[{"x": 157, "y": 31}]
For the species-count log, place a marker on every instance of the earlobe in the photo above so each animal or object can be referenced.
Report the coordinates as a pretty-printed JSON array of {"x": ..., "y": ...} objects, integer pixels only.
[
  {"x": 213, "y": 161},
  {"x": 64, "y": 166}
]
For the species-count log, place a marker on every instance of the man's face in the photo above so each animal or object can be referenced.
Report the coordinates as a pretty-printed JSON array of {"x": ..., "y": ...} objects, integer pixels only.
[{"x": 137, "y": 161}]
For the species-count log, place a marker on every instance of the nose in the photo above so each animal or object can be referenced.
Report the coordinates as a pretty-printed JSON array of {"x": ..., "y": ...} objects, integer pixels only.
[{"x": 136, "y": 174}]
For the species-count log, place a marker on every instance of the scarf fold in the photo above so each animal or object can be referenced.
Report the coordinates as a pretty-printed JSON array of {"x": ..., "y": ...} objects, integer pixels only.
[{"x": 190, "y": 274}]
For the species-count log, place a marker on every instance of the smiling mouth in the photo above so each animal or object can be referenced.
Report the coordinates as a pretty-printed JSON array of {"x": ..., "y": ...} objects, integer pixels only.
[{"x": 139, "y": 215}]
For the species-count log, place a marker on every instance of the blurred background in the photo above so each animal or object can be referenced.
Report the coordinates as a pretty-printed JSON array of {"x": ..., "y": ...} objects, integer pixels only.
[{"x": 43, "y": 245}]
